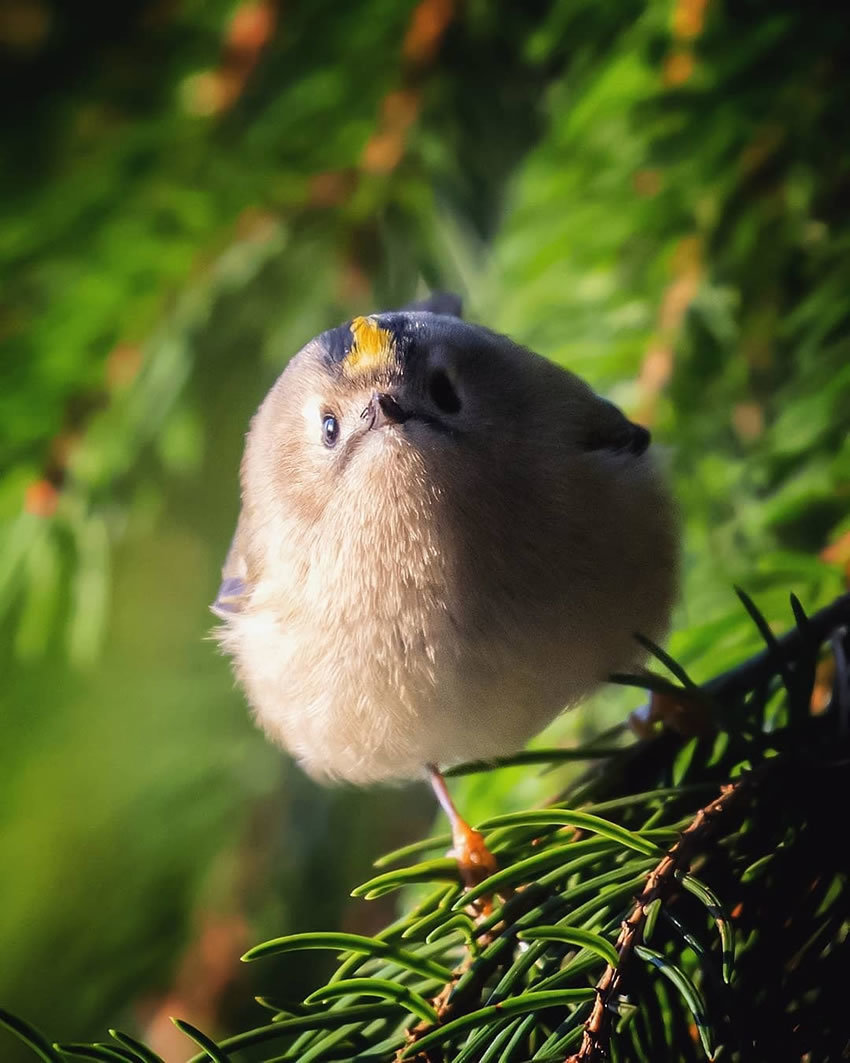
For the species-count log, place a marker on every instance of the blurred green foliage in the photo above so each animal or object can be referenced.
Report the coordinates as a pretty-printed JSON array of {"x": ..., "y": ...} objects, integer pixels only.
[{"x": 654, "y": 194}]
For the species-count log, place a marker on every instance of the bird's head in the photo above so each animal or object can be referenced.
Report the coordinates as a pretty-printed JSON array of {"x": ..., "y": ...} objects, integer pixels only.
[
  {"x": 397, "y": 419},
  {"x": 412, "y": 398}
]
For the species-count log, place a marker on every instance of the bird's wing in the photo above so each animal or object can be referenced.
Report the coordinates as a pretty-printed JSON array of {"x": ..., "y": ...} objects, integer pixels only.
[{"x": 235, "y": 586}]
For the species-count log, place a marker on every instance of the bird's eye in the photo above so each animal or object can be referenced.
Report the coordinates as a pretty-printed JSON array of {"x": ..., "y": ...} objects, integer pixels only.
[
  {"x": 443, "y": 393},
  {"x": 330, "y": 430}
]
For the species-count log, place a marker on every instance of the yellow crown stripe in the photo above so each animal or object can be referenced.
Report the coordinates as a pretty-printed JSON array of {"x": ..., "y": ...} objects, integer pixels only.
[{"x": 372, "y": 347}]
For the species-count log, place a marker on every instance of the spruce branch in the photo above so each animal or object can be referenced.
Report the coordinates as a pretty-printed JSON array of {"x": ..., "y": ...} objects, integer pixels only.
[
  {"x": 541, "y": 968},
  {"x": 660, "y": 882}
]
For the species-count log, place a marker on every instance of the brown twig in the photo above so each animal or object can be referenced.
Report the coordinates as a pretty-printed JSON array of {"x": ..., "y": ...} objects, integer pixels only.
[{"x": 659, "y": 883}]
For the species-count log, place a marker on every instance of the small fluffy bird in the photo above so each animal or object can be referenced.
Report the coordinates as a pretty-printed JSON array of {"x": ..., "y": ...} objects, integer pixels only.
[{"x": 445, "y": 540}]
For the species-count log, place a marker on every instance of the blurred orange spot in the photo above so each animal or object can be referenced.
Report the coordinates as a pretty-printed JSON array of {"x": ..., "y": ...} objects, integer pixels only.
[
  {"x": 677, "y": 299},
  {"x": 330, "y": 189},
  {"x": 838, "y": 553},
  {"x": 688, "y": 18},
  {"x": 400, "y": 109},
  {"x": 427, "y": 25},
  {"x": 657, "y": 366},
  {"x": 383, "y": 152},
  {"x": 737, "y": 911},
  {"x": 41, "y": 499},
  {"x": 656, "y": 369},
  {"x": 122, "y": 365},
  {"x": 748, "y": 421},
  {"x": 251, "y": 27},
  {"x": 384, "y": 149},
  {"x": 647, "y": 182},
  {"x": 678, "y": 67},
  {"x": 822, "y": 690},
  {"x": 213, "y": 91}
]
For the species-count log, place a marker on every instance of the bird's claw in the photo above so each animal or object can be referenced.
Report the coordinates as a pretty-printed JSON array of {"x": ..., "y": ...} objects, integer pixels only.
[{"x": 475, "y": 861}]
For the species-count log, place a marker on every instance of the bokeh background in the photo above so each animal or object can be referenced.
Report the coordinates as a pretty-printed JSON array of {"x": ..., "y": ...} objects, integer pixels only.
[{"x": 655, "y": 193}]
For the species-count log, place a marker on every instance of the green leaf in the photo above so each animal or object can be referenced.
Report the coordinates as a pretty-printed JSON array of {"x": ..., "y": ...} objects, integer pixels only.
[
  {"x": 521, "y": 1005},
  {"x": 582, "y": 820},
  {"x": 670, "y": 664},
  {"x": 573, "y": 936},
  {"x": 686, "y": 988},
  {"x": 460, "y": 923},
  {"x": 415, "y": 1003},
  {"x": 349, "y": 943},
  {"x": 683, "y": 932},
  {"x": 212, "y": 1050},
  {"x": 122, "y": 1053},
  {"x": 440, "y": 841},
  {"x": 562, "y": 1038},
  {"x": 509, "y": 1051},
  {"x": 652, "y": 912},
  {"x": 721, "y": 744},
  {"x": 757, "y": 868},
  {"x": 435, "y": 905},
  {"x": 609, "y": 891},
  {"x": 326, "y": 1047},
  {"x": 648, "y": 796},
  {"x": 658, "y": 684},
  {"x": 421, "y": 929},
  {"x": 147, "y": 1055},
  {"x": 97, "y": 1052},
  {"x": 515, "y": 976},
  {"x": 536, "y": 756},
  {"x": 444, "y": 868},
  {"x": 30, "y": 1037},
  {"x": 484, "y": 1044},
  {"x": 527, "y": 870},
  {"x": 774, "y": 649},
  {"x": 683, "y": 761},
  {"x": 329, "y": 1019},
  {"x": 596, "y": 882},
  {"x": 90, "y": 598},
  {"x": 716, "y": 911}
]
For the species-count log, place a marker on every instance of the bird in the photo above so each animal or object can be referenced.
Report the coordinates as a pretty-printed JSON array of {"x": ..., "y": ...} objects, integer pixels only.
[{"x": 445, "y": 540}]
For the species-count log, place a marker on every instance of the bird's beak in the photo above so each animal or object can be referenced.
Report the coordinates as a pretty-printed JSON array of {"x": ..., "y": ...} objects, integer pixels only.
[{"x": 383, "y": 410}]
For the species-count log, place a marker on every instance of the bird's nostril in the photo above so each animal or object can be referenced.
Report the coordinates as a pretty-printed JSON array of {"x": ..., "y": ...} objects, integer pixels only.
[
  {"x": 390, "y": 408},
  {"x": 383, "y": 409}
]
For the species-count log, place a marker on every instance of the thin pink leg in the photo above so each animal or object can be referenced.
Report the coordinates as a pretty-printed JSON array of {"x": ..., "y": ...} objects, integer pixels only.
[{"x": 475, "y": 860}]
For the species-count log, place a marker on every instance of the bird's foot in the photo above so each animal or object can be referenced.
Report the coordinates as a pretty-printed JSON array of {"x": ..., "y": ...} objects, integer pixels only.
[
  {"x": 684, "y": 714},
  {"x": 474, "y": 860}
]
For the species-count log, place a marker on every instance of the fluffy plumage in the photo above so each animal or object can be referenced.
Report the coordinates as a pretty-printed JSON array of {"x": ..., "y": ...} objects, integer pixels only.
[{"x": 471, "y": 553}]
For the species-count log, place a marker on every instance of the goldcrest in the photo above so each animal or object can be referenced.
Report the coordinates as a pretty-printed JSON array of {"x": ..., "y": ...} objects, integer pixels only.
[{"x": 445, "y": 540}]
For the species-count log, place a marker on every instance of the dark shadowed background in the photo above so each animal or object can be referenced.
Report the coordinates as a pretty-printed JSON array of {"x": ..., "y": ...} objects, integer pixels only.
[{"x": 655, "y": 194}]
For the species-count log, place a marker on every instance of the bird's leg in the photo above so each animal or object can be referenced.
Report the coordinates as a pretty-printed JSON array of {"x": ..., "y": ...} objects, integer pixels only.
[
  {"x": 474, "y": 859},
  {"x": 683, "y": 713}
]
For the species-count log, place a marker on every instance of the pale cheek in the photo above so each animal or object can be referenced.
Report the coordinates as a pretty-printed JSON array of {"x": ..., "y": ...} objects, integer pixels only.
[{"x": 311, "y": 419}]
